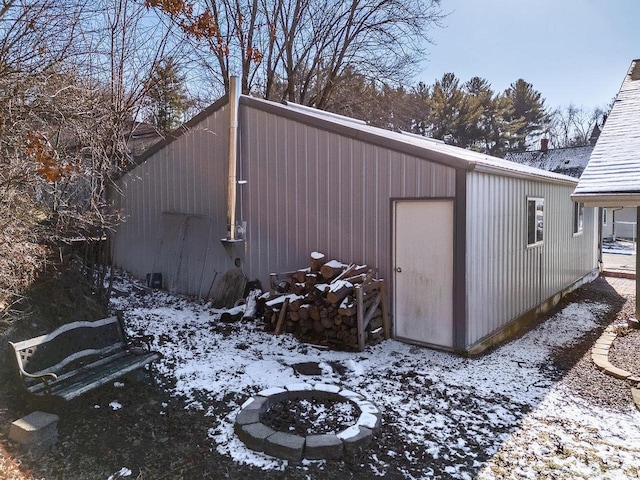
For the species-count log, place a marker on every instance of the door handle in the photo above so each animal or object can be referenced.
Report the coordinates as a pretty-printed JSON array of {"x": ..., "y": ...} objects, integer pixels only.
[{"x": 398, "y": 269}]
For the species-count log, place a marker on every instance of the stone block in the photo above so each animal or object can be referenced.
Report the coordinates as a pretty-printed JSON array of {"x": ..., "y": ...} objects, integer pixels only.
[
  {"x": 285, "y": 445},
  {"x": 246, "y": 417},
  {"x": 318, "y": 447},
  {"x": 34, "y": 428},
  {"x": 300, "y": 391},
  {"x": 324, "y": 387},
  {"x": 254, "y": 435},
  {"x": 633, "y": 379},
  {"x": 635, "y": 394},
  {"x": 601, "y": 361},
  {"x": 368, "y": 420},
  {"x": 353, "y": 396},
  {"x": 355, "y": 439},
  {"x": 259, "y": 403},
  {"x": 617, "y": 372},
  {"x": 367, "y": 407},
  {"x": 274, "y": 395},
  {"x": 38, "y": 431}
]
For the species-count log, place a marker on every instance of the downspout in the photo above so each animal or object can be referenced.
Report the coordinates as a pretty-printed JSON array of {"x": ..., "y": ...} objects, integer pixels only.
[
  {"x": 233, "y": 157},
  {"x": 613, "y": 220}
]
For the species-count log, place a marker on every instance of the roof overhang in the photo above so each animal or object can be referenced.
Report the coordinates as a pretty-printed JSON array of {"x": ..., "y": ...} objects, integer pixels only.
[{"x": 610, "y": 200}]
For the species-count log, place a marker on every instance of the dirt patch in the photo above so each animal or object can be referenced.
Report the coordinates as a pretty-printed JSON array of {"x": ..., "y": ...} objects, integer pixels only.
[{"x": 311, "y": 417}]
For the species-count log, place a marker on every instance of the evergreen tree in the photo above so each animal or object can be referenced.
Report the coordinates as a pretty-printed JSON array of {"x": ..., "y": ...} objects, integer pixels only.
[
  {"x": 167, "y": 99},
  {"x": 525, "y": 113},
  {"x": 446, "y": 104}
]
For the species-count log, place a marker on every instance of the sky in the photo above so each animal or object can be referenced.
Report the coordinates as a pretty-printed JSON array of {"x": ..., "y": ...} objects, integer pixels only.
[{"x": 572, "y": 51}]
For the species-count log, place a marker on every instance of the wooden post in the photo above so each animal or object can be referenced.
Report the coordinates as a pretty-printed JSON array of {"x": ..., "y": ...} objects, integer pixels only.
[
  {"x": 283, "y": 313},
  {"x": 359, "y": 317},
  {"x": 386, "y": 323}
]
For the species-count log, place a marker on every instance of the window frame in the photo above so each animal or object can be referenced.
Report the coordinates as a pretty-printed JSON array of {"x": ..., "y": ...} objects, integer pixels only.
[
  {"x": 538, "y": 231},
  {"x": 578, "y": 218}
]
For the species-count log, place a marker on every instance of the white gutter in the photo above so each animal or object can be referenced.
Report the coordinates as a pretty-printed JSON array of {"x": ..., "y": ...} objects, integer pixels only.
[{"x": 233, "y": 156}]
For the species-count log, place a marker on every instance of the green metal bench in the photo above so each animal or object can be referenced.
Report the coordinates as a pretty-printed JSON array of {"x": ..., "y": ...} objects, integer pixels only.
[{"x": 78, "y": 357}]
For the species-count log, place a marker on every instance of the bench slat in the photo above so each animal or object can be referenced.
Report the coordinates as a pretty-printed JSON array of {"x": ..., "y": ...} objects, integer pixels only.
[
  {"x": 95, "y": 378},
  {"x": 103, "y": 343}
]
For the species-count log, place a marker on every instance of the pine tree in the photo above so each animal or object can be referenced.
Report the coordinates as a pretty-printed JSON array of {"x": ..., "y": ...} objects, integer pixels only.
[
  {"x": 526, "y": 114},
  {"x": 167, "y": 98},
  {"x": 446, "y": 103}
]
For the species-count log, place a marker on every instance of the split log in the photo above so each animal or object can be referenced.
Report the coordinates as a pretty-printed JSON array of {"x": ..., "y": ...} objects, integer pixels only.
[
  {"x": 317, "y": 260},
  {"x": 327, "y": 322},
  {"x": 348, "y": 306},
  {"x": 332, "y": 269},
  {"x": 314, "y": 312},
  {"x": 338, "y": 291},
  {"x": 299, "y": 288},
  {"x": 300, "y": 275}
]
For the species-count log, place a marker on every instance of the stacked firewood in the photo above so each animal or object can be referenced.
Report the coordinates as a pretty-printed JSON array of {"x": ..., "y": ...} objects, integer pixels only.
[{"x": 329, "y": 302}]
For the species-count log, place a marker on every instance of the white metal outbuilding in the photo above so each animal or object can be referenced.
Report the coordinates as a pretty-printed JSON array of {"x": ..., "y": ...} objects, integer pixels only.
[{"x": 472, "y": 246}]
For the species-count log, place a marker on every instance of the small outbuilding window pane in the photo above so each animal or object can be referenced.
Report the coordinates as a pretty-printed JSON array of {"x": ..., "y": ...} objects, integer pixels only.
[
  {"x": 535, "y": 221},
  {"x": 578, "y": 217}
]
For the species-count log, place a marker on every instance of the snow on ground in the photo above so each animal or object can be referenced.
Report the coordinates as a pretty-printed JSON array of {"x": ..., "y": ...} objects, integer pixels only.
[
  {"x": 619, "y": 247},
  {"x": 499, "y": 416}
]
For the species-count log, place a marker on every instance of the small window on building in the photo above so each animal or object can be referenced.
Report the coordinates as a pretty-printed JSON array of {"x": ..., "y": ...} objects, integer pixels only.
[
  {"x": 604, "y": 217},
  {"x": 535, "y": 221},
  {"x": 578, "y": 217}
]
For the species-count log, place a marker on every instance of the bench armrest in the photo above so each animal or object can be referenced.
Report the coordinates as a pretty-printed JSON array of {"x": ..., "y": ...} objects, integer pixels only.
[{"x": 43, "y": 377}]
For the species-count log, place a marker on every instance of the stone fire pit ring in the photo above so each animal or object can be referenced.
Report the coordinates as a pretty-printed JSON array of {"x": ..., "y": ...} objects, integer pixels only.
[{"x": 259, "y": 437}]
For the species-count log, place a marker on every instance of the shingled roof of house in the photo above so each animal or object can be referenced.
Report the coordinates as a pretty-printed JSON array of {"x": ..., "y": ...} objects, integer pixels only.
[
  {"x": 612, "y": 176},
  {"x": 569, "y": 161}
]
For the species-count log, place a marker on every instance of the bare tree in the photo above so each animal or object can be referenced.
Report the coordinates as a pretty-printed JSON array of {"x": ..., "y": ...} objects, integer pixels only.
[
  {"x": 34, "y": 38},
  {"x": 573, "y": 126},
  {"x": 302, "y": 50},
  {"x": 72, "y": 80}
]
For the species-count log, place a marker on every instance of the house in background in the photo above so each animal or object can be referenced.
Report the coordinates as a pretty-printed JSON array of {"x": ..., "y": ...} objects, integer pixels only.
[
  {"x": 612, "y": 176},
  {"x": 472, "y": 247},
  {"x": 618, "y": 221}
]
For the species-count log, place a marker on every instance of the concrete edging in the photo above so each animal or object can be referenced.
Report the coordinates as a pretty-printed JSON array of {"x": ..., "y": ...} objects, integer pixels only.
[
  {"x": 600, "y": 356},
  {"x": 259, "y": 437}
]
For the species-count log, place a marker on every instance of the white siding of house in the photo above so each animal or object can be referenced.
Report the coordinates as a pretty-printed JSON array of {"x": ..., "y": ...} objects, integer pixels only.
[
  {"x": 625, "y": 219},
  {"x": 505, "y": 277}
]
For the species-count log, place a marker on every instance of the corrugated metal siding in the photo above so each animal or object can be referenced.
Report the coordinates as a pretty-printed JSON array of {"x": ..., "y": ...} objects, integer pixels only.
[
  {"x": 505, "y": 278},
  {"x": 174, "y": 206},
  {"x": 313, "y": 190}
]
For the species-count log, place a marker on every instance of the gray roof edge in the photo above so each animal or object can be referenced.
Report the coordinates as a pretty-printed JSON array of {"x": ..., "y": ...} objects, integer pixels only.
[
  {"x": 607, "y": 199},
  {"x": 544, "y": 175}
]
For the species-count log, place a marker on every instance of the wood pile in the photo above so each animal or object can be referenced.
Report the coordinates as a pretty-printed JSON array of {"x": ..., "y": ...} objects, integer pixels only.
[{"x": 329, "y": 302}]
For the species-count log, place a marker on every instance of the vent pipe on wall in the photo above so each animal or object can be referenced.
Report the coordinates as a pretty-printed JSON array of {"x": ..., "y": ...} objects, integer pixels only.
[{"x": 234, "y": 98}]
